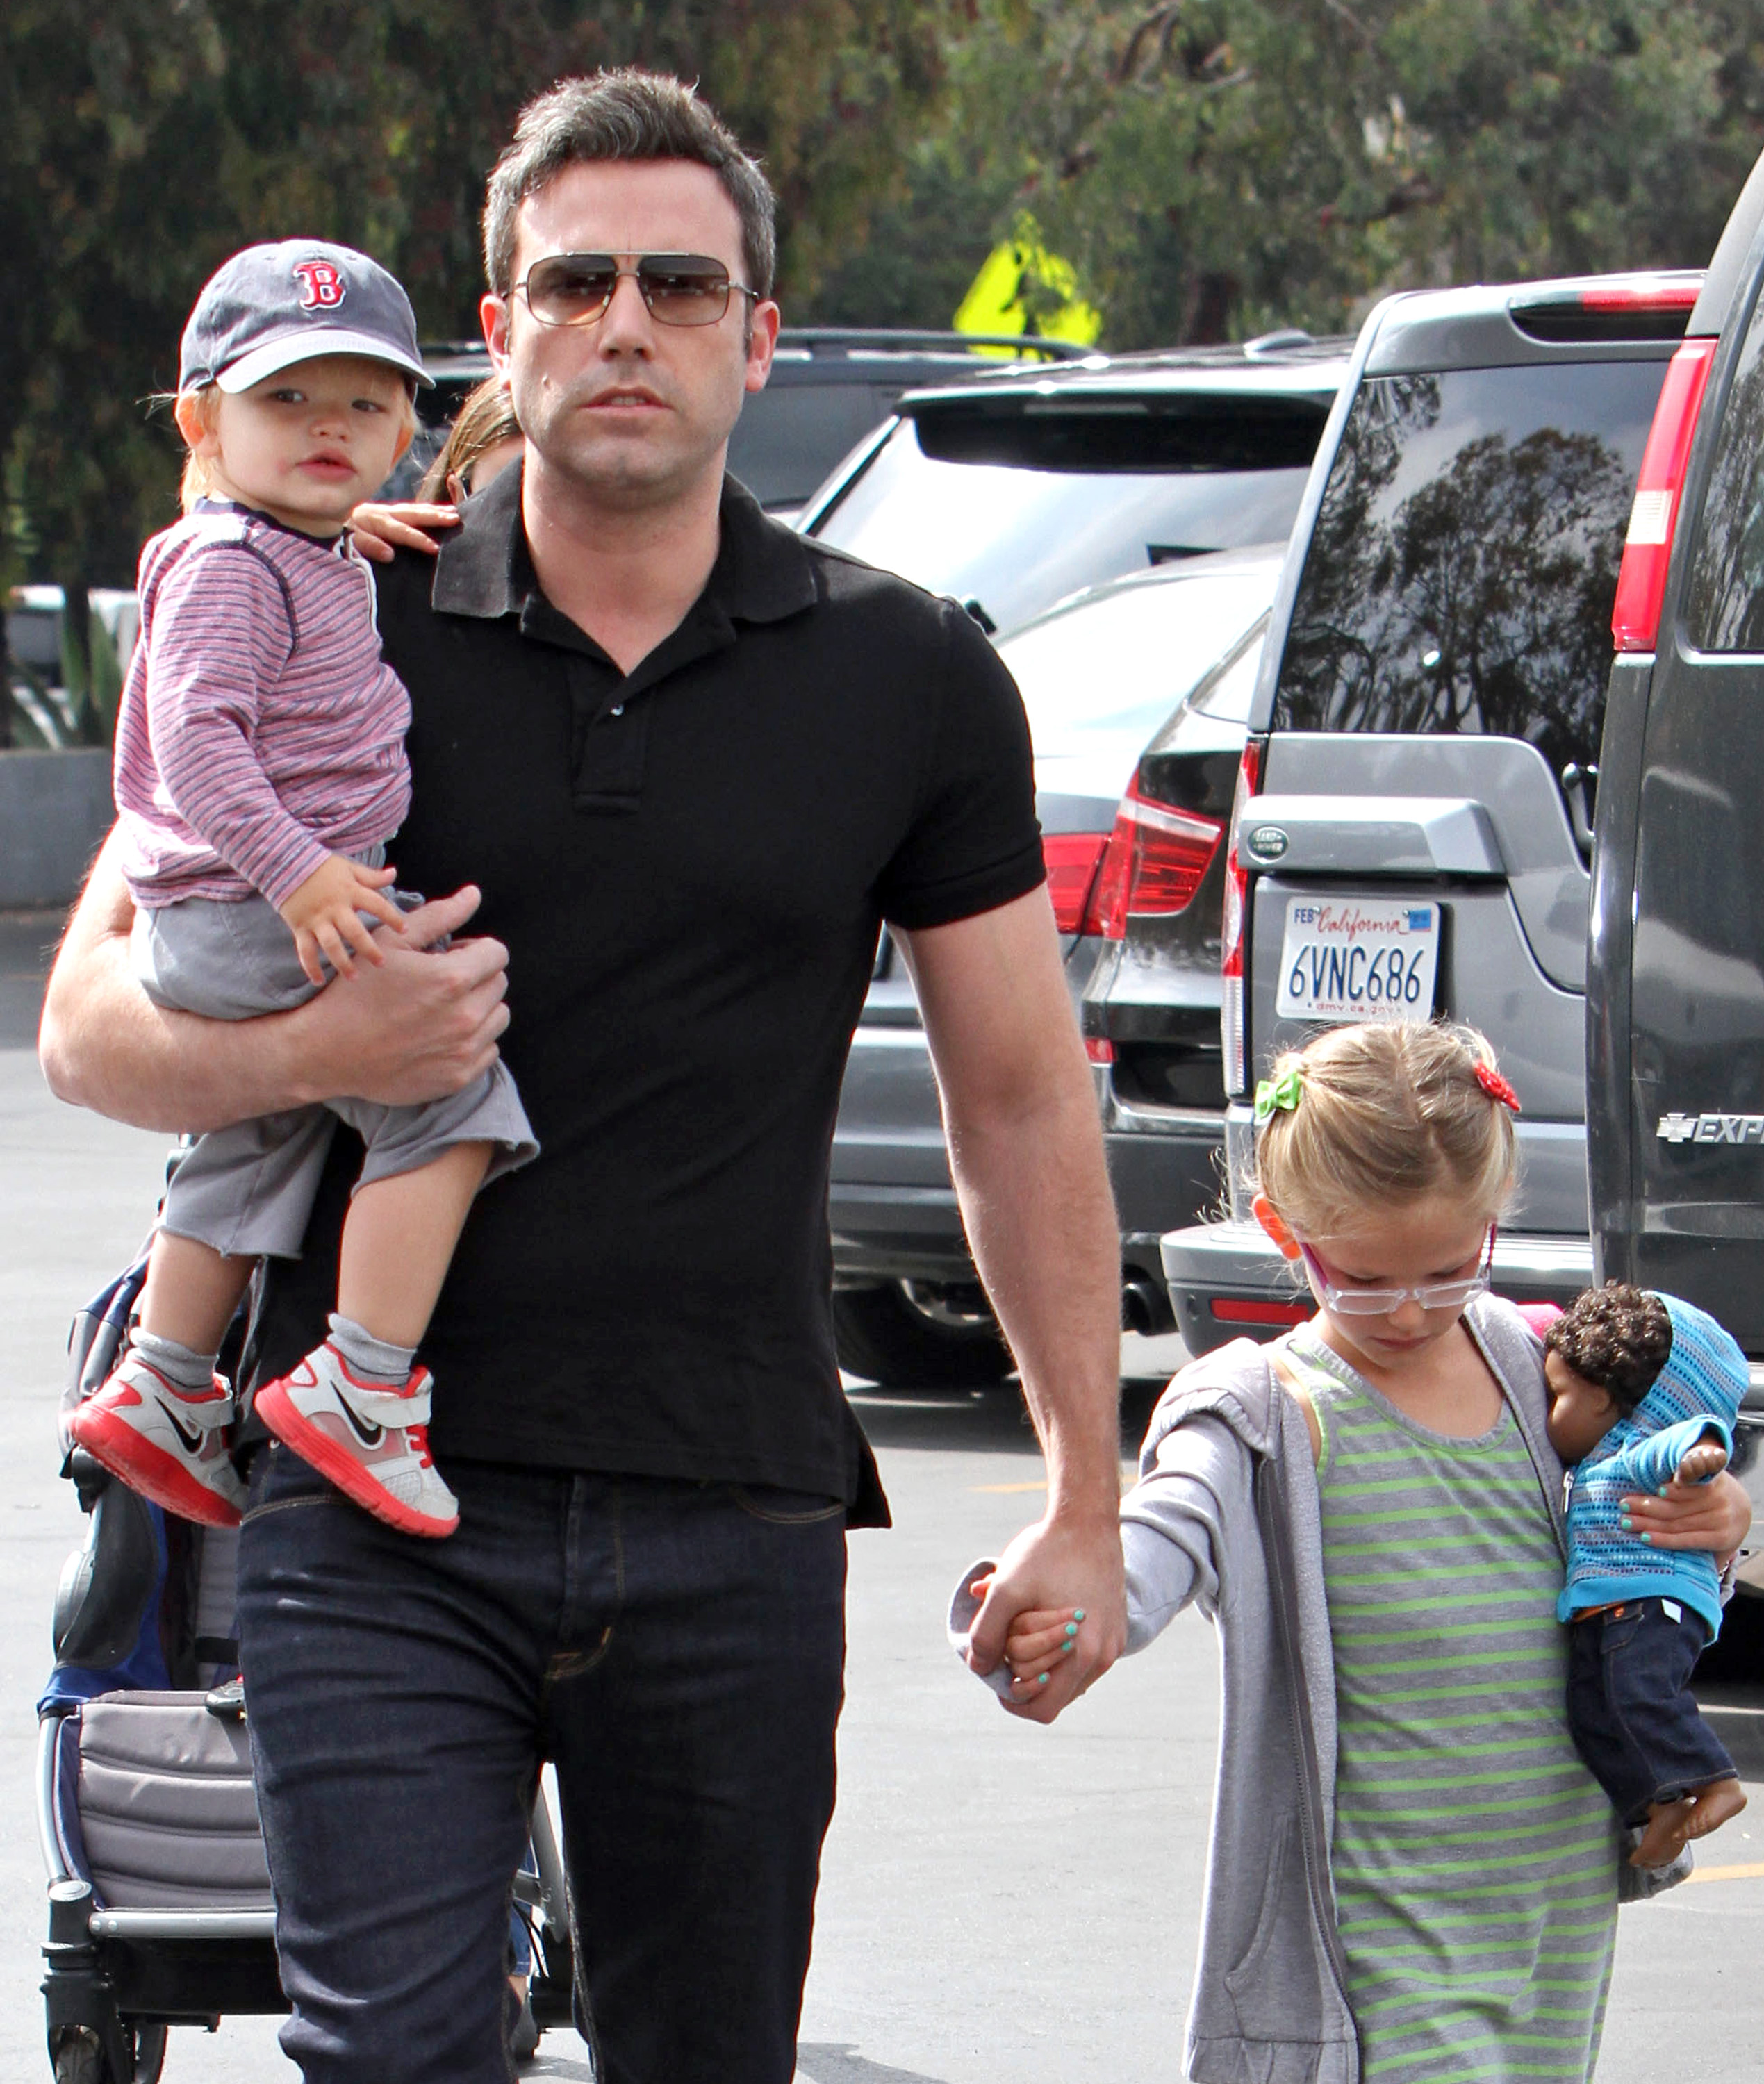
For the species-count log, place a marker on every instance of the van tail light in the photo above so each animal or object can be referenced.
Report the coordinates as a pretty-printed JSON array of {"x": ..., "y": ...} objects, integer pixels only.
[
  {"x": 1156, "y": 858},
  {"x": 1234, "y": 932},
  {"x": 1071, "y": 859},
  {"x": 1641, "y": 584}
]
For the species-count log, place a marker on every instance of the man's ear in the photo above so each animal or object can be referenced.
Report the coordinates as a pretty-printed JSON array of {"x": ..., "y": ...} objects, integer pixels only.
[
  {"x": 762, "y": 338},
  {"x": 1268, "y": 1216},
  {"x": 492, "y": 313}
]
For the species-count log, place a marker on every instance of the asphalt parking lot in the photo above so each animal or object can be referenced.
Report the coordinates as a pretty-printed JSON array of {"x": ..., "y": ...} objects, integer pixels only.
[{"x": 1001, "y": 1905}]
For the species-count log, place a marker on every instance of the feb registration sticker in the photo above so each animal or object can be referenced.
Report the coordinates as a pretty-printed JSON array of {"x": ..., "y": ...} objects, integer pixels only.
[{"x": 1357, "y": 959}]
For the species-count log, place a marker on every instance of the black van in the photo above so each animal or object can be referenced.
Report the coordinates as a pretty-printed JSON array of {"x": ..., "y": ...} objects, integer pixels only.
[{"x": 1675, "y": 970}]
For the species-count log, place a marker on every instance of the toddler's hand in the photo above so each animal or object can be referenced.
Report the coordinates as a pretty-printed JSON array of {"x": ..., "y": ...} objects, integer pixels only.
[
  {"x": 322, "y": 913},
  {"x": 1708, "y": 1459}
]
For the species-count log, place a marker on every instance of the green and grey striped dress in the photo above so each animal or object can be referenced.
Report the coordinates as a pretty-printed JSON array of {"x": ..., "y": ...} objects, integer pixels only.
[{"x": 1474, "y": 1858}]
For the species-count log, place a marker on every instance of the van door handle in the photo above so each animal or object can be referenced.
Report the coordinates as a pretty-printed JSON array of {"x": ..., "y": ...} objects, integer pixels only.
[{"x": 1580, "y": 786}]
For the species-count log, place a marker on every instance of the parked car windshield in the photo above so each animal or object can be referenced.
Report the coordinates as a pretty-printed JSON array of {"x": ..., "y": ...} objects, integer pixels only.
[
  {"x": 1015, "y": 538},
  {"x": 1465, "y": 561}
]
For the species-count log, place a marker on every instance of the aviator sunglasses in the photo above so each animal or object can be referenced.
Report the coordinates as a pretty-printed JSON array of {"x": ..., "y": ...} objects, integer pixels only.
[
  {"x": 680, "y": 289},
  {"x": 1380, "y": 1301}
]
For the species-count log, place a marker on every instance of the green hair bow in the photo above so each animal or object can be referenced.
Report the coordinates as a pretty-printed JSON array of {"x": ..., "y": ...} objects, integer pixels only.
[{"x": 1278, "y": 1095}]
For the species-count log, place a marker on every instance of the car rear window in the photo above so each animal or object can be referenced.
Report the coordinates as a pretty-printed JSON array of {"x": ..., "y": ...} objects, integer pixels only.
[
  {"x": 1121, "y": 661},
  {"x": 1012, "y": 533},
  {"x": 1465, "y": 561}
]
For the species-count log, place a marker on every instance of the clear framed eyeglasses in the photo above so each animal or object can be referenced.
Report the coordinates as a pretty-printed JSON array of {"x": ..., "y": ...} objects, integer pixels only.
[{"x": 1380, "y": 1301}]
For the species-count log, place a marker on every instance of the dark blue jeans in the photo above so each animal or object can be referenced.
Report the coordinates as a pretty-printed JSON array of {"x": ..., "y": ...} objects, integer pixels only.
[
  {"x": 678, "y": 1648},
  {"x": 1631, "y": 1714}
]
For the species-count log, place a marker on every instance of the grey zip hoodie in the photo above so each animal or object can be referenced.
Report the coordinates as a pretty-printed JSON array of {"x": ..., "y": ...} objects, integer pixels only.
[{"x": 1225, "y": 1514}]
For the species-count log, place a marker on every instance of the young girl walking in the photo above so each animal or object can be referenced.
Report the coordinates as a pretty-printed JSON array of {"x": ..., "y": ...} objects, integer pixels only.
[{"x": 1413, "y": 1877}]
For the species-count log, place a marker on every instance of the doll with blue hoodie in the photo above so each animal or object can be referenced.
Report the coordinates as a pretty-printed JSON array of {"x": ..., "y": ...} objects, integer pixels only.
[{"x": 1643, "y": 1389}]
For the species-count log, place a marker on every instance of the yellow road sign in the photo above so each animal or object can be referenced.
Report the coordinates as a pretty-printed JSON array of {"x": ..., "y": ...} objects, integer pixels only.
[{"x": 1022, "y": 288}]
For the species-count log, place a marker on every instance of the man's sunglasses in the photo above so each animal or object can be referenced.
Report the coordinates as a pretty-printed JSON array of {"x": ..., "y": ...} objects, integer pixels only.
[{"x": 680, "y": 289}]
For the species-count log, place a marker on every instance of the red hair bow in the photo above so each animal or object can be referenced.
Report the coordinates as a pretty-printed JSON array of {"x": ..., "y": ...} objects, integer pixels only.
[{"x": 1496, "y": 1086}]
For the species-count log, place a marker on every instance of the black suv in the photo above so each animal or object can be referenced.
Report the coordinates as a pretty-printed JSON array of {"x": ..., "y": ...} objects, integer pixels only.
[
  {"x": 1675, "y": 972},
  {"x": 1411, "y": 834},
  {"x": 828, "y": 387}
]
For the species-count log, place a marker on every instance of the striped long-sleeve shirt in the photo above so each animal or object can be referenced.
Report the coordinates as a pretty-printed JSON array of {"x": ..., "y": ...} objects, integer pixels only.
[{"x": 259, "y": 729}]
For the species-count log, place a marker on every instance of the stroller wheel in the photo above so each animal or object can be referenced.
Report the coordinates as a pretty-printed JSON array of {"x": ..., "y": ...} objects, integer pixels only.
[{"x": 80, "y": 2058}]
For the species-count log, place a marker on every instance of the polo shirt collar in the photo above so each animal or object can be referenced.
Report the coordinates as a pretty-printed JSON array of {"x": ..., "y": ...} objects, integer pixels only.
[{"x": 483, "y": 569}]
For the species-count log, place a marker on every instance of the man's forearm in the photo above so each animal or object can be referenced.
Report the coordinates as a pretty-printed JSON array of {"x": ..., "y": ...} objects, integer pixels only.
[
  {"x": 414, "y": 1028},
  {"x": 1034, "y": 1193},
  {"x": 105, "y": 1045}
]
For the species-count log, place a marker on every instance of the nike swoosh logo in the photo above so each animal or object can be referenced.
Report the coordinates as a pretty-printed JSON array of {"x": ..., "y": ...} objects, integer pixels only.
[
  {"x": 191, "y": 1438},
  {"x": 370, "y": 1436}
]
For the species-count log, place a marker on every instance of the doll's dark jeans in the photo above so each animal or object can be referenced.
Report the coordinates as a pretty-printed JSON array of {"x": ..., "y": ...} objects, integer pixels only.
[
  {"x": 1630, "y": 1710},
  {"x": 676, "y": 1648}
]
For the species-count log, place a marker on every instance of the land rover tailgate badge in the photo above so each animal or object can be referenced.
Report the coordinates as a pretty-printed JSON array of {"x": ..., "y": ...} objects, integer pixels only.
[
  {"x": 1267, "y": 842},
  {"x": 1711, "y": 1128}
]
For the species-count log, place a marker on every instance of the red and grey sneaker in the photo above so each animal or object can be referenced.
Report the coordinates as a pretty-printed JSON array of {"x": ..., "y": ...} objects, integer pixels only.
[
  {"x": 371, "y": 1441},
  {"x": 167, "y": 1443}
]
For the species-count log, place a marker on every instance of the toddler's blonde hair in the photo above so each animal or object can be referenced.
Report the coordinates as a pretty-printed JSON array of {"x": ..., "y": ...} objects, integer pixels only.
[{"x": 1389, "y": 1113}]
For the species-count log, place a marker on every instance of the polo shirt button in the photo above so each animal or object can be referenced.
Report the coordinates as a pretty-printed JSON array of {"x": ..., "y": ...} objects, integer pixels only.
[{"x": 618, "y": 709}]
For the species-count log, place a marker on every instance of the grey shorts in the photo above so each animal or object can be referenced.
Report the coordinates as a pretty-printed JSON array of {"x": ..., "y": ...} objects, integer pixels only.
[{"x": 248, "y": 1190}]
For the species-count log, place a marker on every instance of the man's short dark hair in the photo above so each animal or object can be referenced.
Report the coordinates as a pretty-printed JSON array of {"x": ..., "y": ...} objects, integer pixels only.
[
  {"x": 629, "y": 114},
  {"x": 1617, "y": 1336}
]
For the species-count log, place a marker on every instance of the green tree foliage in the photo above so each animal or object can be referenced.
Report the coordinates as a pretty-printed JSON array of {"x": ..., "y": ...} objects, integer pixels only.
[
  {"x": 1212, "y": 168},
  {"x": 1216, "y": 167},
  {"x": 143, "y": 141}
]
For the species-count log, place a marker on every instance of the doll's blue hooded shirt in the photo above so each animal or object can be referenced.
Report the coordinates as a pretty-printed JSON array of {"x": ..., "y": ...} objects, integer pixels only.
[{"x": 1697, "y": 1394}]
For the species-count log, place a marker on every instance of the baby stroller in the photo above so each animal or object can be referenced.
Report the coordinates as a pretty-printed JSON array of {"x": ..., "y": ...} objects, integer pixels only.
[{"x": 159, "y": 1895}]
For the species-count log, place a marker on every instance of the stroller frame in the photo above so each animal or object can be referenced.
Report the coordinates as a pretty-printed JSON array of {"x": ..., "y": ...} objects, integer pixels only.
[{"x": 116, "y": 1978}]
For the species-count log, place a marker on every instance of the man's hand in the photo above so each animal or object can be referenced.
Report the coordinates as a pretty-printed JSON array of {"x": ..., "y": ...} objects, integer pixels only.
[
  {"x": 1051, "y": 1565},
  {"x": 1713, "y": 1516},
  {"x": 323, "y": 914},
  {"x": 378, "y": 531},
  {"x": 418, "y": 1027}
]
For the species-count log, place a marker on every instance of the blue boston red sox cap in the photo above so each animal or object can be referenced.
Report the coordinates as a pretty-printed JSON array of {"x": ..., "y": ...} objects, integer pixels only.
[{"x": 271, "y": 307}]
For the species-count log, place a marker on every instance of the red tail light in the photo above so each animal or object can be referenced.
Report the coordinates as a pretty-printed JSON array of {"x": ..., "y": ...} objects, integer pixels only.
[
  {"x": 1232, "y": 926},
  {"x": 1641, "y": 585},
  {"x": 1234, "y": 1310},
  {"x": 1156, "y": 858},
  {"x": 1071, "y": 859}
]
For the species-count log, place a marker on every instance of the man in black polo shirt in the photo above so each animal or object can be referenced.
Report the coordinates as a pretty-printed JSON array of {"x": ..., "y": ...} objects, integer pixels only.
[{"x": 693, "y": 760}]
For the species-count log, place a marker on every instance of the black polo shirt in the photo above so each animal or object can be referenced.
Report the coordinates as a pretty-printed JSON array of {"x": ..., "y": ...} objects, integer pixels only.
[{"x": 689, "y": 864}]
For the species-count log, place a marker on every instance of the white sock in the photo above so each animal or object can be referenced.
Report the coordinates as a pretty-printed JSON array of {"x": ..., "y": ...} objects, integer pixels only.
[
  {"x": 183, "y": 1369},
  {"x": 372, "y": 1360}
]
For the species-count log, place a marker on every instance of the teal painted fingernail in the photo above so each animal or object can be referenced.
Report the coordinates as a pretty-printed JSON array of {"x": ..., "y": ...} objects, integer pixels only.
[
  {"x": 1078, "y": 1613},
  {"x": 1042, "y": 1680},
  {"x": 1648, "y": 1538},
  {"x": 1065, "y": 1647},
  {"x": 1071, "y": 1627}
]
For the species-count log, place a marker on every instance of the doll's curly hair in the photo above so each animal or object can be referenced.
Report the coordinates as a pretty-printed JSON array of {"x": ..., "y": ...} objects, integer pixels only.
[{"x": 1617, "y": 1336}]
